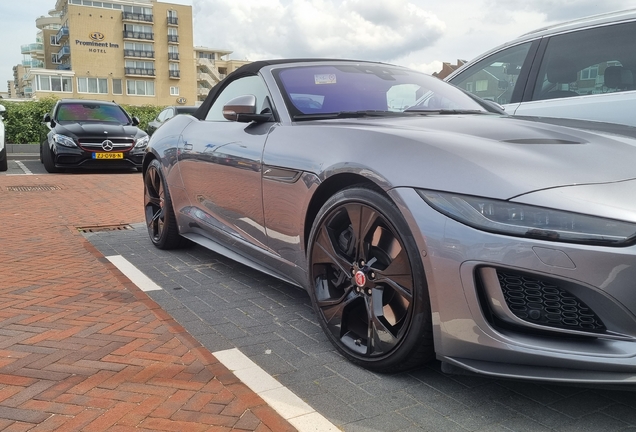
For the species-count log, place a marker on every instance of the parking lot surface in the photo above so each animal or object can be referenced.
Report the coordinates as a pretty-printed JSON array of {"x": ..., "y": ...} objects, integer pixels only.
[
  {"x": 225, "y": 305},
  {"x": 81, "y": 348}
]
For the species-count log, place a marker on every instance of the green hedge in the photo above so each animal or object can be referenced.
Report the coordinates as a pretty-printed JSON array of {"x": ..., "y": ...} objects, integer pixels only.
[{"x": 23, "y": 120}]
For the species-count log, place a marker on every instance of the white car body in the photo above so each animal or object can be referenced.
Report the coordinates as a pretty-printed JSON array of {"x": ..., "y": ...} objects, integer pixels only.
[{"x": 562, "y": 71}]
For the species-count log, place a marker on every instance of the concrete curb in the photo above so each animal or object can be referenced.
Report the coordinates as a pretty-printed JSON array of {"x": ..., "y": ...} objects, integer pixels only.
[{"x": 23, "y": 151}]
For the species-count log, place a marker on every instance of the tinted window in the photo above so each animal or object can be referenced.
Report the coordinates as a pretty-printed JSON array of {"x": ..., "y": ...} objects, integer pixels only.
[
  {"x": 79, "y": 112},
  {"x": 495, "y": 77},
  {"x": 251, "y": 85},
  {"x": 346, "y": 88},
  {"x": 594, "y": 61}
]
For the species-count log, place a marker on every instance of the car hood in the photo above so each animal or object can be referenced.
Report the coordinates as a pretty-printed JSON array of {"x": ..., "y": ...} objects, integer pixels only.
[
  {"x": 106, "y": 130},
  {"x": 487, "y": 155},
  {"x": 611, "y": 200}
]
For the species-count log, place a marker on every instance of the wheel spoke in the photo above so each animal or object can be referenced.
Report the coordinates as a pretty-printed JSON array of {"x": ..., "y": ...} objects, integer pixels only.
[
  {"x": 325, "y": 252},
  {"x": 398, "y": 275},
  {"x": 334, "y": 312},
  {"x": 362, "y": 220},
  {"x": 381, "y": 338}
]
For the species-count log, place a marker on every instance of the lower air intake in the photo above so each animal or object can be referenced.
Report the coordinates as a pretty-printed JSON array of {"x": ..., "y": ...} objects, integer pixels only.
[{"x": 545, "y": 303}]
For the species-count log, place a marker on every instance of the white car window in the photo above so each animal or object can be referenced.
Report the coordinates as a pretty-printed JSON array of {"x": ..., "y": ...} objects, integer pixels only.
[
  {"x": 594, "y": 61},
  {"x": 495, "y": 77}
]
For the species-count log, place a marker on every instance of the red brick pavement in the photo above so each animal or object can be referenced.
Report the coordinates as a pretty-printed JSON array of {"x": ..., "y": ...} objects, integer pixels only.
[{"x": 81, "y": 348}]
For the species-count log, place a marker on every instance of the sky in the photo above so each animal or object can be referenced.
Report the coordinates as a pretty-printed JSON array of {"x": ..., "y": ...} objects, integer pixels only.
[{"x": 415, "y": 33}]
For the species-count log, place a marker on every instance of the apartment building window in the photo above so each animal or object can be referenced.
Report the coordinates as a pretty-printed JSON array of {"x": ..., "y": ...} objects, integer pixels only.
[
  {"x": 54, "y": 59},
  {"x": 174, "y": 91},
  {"x": 53, "y": 83},
  {"x": 53, "y": 40},
  {"x": 138, "y": 31},
  {"x": 173, "y": 52},
  {"x": 172, "y": 17},
  {"x": 137, "y": 13},
  {"x": 100, "y": 4},
  {"x": 138, "y": 49},
  {"x": 140, "y": 88},
  {"x": 92, "y": 85},
  {"x": 173, "y": 36},
  {"x": 174, "y": 70},
  {"x": 138, "y": 67},
  {"x": 117, "y": 88}
]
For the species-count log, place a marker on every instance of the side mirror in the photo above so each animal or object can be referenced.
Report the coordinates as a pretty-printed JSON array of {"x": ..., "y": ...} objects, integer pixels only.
[
  {"x": 242, "y": 109},
  {"x": 3, "y": 111},
  {"x": 47, "y": 118},
  {"x": 135, "y": 121}
]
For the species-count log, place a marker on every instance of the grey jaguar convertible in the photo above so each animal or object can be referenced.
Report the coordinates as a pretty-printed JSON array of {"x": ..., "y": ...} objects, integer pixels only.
[{"x": 422, "y": 221}]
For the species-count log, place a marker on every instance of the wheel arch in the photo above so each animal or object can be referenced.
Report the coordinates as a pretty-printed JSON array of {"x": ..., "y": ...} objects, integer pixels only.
[{"x": 327, "y": 189}]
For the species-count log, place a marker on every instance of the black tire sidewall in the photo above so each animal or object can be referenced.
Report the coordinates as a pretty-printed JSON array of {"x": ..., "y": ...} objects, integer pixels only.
[
  {"x": 166, "y": 239},
  {"x": 419, "y": 324},
  {"x": 4, "y": 163}
]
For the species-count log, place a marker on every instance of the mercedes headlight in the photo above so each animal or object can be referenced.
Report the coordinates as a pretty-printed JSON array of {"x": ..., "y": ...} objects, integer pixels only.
[
  {"x": 64, "y": 140},
  {"x": 142, "y": 142},
  {"x": 521, "y": 220}
]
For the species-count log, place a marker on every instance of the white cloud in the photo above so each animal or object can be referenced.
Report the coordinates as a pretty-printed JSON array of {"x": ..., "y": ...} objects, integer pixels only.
[{"x": 366, "y": 29}]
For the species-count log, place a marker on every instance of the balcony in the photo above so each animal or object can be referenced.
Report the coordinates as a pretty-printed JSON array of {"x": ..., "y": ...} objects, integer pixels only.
[
  {"x": 175, "y": 74},
  {"x": 65, "y": 51},
  {"x": 173, "y": 38},
  {"x": 138, "y": 53},
  {"x": 33, "y": 63},
  {"x": 65, "y": 66},
  {"x": 173, "y": 56},
  {"x": 173, "y": 21},
  {"x": 139, "y": 71},
  {"x": 32, "y": 48},
  {"x": 61, "y": 35},
  {"x": 28, "y": 90},
  {"x": 131, "y": 16},
  {"x": 129, "y": 34}
]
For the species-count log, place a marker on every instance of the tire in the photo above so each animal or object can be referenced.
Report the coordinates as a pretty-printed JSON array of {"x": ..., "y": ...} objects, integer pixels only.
[
  {"x": 48, "y": 160},
  {"x": 361, "y": 254},
  {"x": 42, "y": 145},
  {"x": 160, "y": 219},
  {"x": 4, "y": 163}
]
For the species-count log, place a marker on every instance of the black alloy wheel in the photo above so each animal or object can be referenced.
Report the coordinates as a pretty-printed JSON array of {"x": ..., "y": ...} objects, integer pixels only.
[
  {"x": 160, "y": 220},
  {"x": 367, "y": 282}
]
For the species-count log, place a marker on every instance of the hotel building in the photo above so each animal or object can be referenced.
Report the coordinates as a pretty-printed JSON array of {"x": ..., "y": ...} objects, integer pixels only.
[{"x": 134, "y": 52}]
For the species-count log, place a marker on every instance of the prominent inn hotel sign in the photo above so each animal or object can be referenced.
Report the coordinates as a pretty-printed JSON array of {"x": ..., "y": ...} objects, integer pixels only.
[{"x": 96, "y": 43}]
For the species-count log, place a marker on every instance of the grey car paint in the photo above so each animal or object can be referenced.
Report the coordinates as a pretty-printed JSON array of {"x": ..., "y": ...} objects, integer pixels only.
[{"x": 273, "y": 171}]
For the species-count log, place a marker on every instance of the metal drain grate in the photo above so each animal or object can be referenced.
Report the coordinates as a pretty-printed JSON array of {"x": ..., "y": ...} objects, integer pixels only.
[
  {"x": 93, "y": 229},
  {"x": 34, "y": 188}
]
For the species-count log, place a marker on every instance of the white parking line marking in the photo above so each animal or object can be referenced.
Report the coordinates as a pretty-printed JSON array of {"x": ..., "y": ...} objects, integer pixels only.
[
  {"x": 292, "y": 408},
  {"x": 133, "y": 273},
  {"x": 24, "y": 168}
]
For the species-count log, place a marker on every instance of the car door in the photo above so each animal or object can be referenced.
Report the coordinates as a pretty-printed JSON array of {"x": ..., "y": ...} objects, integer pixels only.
[
  {"x": 586, "y": 74},
  {"x": 220, "y": 163}
]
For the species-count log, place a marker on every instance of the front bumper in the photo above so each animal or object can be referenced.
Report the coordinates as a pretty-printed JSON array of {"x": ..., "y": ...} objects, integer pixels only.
[
  {"x": 475, "y": 327},
  {"x": 75, "y": 157}
]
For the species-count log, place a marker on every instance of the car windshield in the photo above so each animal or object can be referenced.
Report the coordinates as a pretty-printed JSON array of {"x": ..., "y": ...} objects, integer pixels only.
[
  {"x": 369, "y": 90},
  {"x": 91, "y": 112}
]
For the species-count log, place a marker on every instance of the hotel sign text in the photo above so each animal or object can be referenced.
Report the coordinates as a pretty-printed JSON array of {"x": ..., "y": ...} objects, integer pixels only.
[{"x": 96, "y": 45}]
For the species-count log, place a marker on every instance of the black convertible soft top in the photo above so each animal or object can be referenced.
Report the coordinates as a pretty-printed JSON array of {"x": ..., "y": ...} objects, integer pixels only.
[{"x": 249, "y": 69}]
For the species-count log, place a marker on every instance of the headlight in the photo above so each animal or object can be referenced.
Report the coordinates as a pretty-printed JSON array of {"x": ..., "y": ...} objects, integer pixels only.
[
  {"x": 64, "y": 140},
  {"x": 142, "y": 142},
  {"x": 521, "y": 220}
]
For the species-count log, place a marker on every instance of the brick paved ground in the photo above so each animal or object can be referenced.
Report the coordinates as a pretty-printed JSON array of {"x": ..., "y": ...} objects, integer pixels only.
[{"x": 81, "y": 348}]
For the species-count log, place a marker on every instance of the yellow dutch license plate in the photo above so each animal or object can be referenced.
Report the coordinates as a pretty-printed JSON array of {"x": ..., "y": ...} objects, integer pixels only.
[{"x": 108, "y": 155}]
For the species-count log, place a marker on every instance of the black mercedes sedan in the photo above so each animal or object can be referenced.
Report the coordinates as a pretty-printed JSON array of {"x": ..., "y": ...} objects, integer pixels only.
[{"x": 91, "y": 134}]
